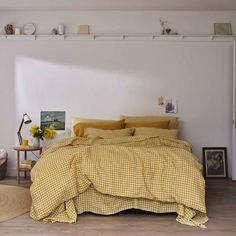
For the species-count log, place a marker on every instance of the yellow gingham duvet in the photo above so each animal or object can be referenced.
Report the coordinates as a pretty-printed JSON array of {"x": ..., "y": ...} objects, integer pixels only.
[{"x": 105, "y": 176}]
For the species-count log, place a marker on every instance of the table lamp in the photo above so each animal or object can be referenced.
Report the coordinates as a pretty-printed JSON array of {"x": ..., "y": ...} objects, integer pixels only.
[{"x": 25, "y": 120}]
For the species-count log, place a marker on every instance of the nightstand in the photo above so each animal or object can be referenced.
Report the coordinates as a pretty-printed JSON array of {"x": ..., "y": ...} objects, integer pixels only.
[{"x": 24, "y": 150}]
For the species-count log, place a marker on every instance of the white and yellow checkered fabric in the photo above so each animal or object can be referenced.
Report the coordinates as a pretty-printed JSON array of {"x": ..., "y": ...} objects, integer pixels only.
[{"x": 106, "y": 176}]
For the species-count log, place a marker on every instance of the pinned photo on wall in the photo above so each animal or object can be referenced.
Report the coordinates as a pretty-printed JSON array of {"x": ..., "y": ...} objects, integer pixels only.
[
  {"x": 161, "y": 101},
  {"x": 171, "y": 105},
  {"x": 53, "y": 119}
]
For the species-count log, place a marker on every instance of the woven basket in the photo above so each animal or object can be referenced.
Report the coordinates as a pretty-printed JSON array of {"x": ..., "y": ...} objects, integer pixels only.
[{"x": 3, "y": 168}]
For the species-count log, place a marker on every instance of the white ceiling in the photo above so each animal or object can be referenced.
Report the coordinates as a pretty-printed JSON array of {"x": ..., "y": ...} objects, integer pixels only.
[{"x": 204, "y": 5}]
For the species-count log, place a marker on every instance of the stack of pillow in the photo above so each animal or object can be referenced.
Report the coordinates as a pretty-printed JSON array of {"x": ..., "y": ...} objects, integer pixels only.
[{"x": 162, "y": 126}]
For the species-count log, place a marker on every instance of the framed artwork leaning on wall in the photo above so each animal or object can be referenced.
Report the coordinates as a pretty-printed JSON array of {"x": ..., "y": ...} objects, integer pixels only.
[
  {"x": 215, "y": 162},
  {"x": 222, "y": 29}
]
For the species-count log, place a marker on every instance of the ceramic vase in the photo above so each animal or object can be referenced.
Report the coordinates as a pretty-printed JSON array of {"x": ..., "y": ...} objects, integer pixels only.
[{"x": 35, "y": 142}]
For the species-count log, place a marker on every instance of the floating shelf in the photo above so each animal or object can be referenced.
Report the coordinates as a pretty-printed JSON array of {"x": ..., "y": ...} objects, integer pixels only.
[{"x": 120, "y": 37}]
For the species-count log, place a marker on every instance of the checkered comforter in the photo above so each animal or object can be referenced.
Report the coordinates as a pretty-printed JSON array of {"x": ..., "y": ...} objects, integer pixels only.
[{"x": 149, "y": 173}]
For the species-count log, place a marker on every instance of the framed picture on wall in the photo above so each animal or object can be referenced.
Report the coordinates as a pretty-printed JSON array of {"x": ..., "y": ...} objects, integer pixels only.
[
  {"x": 215, "y": 162},
  {"x": 171, "y": 106},
  {"x": 53, "y": 119},
  {"x": 222, "y": 29}
]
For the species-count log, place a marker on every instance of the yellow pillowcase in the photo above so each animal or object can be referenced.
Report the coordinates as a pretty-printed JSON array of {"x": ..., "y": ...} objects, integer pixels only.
[
  {"x": 93, "y": 132},
  {"x": 76, "y": 120},
  {"x": 164, "y": 124},
  {"x": 101, "y": 124},
  {"x": 172, "y": 125},
  {"x": 165, "y": 133}
]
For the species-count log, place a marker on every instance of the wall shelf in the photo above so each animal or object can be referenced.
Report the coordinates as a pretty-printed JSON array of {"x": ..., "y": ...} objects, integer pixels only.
[{"x": 120, "y": 37}]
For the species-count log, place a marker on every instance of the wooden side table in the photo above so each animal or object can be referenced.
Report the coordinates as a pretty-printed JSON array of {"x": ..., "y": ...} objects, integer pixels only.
[{"x": 25, "y": 150}]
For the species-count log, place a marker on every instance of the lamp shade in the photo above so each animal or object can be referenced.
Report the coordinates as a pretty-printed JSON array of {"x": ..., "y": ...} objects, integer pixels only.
[{"x": 27, "y": 119}]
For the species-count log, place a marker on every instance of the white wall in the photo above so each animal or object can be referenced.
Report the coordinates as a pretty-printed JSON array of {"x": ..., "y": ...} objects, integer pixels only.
[{"x": 109, "y": 78}]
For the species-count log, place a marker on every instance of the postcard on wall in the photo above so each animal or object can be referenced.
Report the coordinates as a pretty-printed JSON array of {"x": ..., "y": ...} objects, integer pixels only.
[
  {"x": 161, "y": 101},
  {"x": 171, "y": 106},
  {"x": 222, "y": 29},
  {"x": 53, "y": 119}
]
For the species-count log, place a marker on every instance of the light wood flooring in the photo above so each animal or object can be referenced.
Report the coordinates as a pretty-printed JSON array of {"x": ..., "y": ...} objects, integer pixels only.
[{"x": 221, "y": 206}]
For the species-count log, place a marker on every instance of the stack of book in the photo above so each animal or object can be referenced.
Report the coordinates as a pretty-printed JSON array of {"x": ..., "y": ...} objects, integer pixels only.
[{"x": 27, "y": 164}]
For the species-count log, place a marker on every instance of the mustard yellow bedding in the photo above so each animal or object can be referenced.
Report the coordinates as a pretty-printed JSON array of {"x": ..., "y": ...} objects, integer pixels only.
[{"x": 109, "y": 175}]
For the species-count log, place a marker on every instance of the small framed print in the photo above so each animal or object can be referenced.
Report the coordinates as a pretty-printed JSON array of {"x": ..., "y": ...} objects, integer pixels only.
[
  {"x": 53, "y": 119},
  {"x": 222, "y": 29},
  {"x": 171, "y": 106},
  {"x": 215, "y": 162}
]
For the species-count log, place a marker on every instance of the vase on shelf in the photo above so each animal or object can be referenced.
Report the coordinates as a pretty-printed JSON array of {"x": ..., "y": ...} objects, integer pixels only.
[{"x": 35, "y": 142}]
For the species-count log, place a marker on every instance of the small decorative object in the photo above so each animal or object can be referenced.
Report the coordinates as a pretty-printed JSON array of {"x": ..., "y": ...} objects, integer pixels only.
[
  {"x": 25, "y": 143},
  {"x": 215, "y": 162},
  {"x": 83, "y": 29},
  {"x": 53, "y": 119},
  {"x": 39, "y": 133},
  {"x": 25, "y": 120},
  {"x": 54, "y": 31},
  {"x": 29, "y": 29},
  {"x": 222, "y": 29},
  {"x": 61, "y": 29},
  {"x": 27, "y": 164},
  {"x": 17, "y": 31},
  {"x": 163, "y": 24},
  {"x": 168, "y": 30},
  {"x": 171, "y": 106},
  {"x": 9, "y": 29},
  {"x": 161, "y": 101}
]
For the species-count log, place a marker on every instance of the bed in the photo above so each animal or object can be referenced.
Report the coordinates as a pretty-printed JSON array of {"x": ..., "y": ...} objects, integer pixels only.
[{"x": 108, "y": 175}]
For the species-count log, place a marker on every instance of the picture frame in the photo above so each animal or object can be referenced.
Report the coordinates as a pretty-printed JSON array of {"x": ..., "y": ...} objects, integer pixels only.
[
  {"x": 171, "y": 106},
  {"x": 53, "y": 119},
  {"x": 222, "y": 29},
  {"x": 215, "y": 162}
]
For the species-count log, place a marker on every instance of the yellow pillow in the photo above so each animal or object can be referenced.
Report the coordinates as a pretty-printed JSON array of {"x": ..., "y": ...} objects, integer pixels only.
[
  {"x": 172, "y": 125},
  {"x": 101, "y": 124},
  {"x": 75, "y": 120},
  {"x": 164, "y": 124},
  {"x": 165, "y": 133},
  {"x": 93, "y": 132}
]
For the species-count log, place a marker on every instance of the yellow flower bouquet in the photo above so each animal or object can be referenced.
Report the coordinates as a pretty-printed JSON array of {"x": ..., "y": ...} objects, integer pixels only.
[{"x": 42, "y": 132}]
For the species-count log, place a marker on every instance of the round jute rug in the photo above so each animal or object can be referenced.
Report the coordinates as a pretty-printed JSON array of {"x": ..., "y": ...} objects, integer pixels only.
[{"x": 14, "y": 201}]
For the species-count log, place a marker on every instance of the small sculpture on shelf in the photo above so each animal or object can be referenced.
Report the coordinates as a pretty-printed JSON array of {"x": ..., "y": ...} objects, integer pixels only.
[
  {"x": 166, "y": 30},
  {"x": 163, "y": 24},
  {"x": 61, "y": 29},
  {"x": 9, "y": 29},
  {"x": 54, "y": 31},
  {"x": 17, "y": 31}
]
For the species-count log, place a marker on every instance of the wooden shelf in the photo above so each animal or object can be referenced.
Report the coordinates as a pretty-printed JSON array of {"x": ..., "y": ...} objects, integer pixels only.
[
  {"x": 24, "y": 169},
  {"x": 119, "y": 37}
]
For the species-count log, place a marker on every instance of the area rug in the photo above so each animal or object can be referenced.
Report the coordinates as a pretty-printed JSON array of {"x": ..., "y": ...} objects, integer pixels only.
[{"x": 14, "y": 201}]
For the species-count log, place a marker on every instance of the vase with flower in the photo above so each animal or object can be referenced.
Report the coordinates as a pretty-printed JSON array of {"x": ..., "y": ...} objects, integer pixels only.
[{"x": 41, "y": 133}]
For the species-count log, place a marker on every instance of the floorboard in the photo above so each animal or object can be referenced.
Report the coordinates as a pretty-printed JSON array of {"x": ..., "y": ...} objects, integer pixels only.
[{"x": 221, "y": 207}]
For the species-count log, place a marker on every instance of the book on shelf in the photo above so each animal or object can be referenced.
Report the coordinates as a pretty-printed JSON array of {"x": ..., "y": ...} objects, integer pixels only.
[{"x": 27, "y": 164}]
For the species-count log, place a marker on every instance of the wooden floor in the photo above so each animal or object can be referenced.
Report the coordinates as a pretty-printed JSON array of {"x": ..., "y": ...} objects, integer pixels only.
[{"x": 221, "y": 206}]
